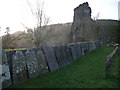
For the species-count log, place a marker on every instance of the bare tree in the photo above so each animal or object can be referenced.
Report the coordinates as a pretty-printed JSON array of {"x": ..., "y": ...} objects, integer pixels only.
[
  {"x": 39, "y": 34},
  {"x": 96, "y": 17}
]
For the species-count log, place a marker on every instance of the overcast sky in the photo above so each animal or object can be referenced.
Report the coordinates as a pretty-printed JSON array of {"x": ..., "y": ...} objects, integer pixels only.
[{"x": 15, "y": 12}]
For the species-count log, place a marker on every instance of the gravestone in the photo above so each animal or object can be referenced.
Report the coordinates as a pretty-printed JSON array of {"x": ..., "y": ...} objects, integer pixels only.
[
  {"x": 97, "y": 44},
  {"x": 77, "y": 50},
  {"x": 65, "y": 58},
  {"x": 84, "y": 48},
  {"x": 92, "y": 45},
  {"x": 59, "y": 56},
  {"x": 80, "y": 46},
  {"x": 50, "y": 57},
  {"x": 73, "y": 52},
  {"x": 32, "y": 64},
  {"x": 69, "y": 55},
  {"x": 5, "y": 77},
  {"x": 87, "y": 47},
  {"x": 42, "y": 64},
  {"x": 66, "y": 53},
  {"x": 19, "y": 71}
]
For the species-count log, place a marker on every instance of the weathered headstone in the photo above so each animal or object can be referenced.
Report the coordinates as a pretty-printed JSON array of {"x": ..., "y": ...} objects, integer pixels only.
[
  {"x": 73, "y": 52},
  {"x": 59, "y": 56},
  {"x": 50, "y": 57},
  {"x": 63, "y": 50},
  {"x": 91, "y": 45},
  {"x": 42, "y": 64},
  {"x": 77, "y": 50},
  {"x": 68, "y": 53},
  {"x": 19, "y": 71},
  {"x": 97, "y": 44},
  {"x": 32, "y": 64},
  {"x": 94, "y": 46},
  {"x": 5, "y": 77},
  {"x": 84, "y": 47}
]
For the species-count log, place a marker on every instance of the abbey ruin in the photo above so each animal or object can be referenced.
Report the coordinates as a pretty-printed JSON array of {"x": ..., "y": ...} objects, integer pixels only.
[{"x": 84, "y": 28}]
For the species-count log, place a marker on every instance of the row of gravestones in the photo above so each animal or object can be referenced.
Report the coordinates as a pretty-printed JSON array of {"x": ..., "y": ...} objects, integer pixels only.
[
  {"x": 21, "y": 65},
  {"x": 18, "y": 66}
]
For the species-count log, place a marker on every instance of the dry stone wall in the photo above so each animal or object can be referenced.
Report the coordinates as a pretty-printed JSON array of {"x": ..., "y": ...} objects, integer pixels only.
[{"x": 20, "y": 65}]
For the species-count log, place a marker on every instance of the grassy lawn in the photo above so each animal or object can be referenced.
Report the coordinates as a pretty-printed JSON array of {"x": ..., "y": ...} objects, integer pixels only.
[{"x": 86, "y": 72}]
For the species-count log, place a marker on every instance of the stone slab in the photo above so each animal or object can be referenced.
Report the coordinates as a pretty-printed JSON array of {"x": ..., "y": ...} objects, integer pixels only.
[
  {"x": 64, "y": 54},
  {"x": 73, "y": 52},
  {"x": 59, "y": 56},
  {"x": 50, "y": 57},
  {"x": 92, "y": 46},
  {"x": 84, "y": 48},
  {"x": 32, "y": 64},
  {"x": 77, "y": 50},
  {"x": 42, "y": 64},
  {"x": 68, "y": 52},
  {"x": 19, "y": 70}
]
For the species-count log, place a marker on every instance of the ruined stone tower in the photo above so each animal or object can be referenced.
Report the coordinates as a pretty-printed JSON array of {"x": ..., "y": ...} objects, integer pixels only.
[{"x": 82, "y": 24}]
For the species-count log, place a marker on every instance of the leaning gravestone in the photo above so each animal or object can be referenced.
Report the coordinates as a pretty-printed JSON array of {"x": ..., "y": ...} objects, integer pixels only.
[
  {"x": 72, "y": 49},
  {"x": 42, "y": 64},
  {"x": 59, "y": 56},
  {"x": 66, "y": 53},
  {"x": 19, "y": 71},
  {"x": 50, "y": 57},
  {"x": 65, "y": 58},
  {"x": 32, "y": 64},
  {"x": 5, "y": 77},
  {"x": 77, "y": 50},
  {"x": 69, "y": 55}
]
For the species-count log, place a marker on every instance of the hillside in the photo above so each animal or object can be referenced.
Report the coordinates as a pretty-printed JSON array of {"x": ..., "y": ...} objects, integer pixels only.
[
  {"x": 106, "y": 29},
  {"x": 60, "y": 33}
]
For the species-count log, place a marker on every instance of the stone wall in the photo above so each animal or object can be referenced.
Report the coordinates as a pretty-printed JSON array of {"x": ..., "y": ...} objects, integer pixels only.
[
  {"x": 20, "y": 65},
  {"x": 108, "y": 30}
]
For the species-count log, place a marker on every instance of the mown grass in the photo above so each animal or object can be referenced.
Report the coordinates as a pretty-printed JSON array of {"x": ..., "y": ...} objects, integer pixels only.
[{"x": 86, "y": 72}]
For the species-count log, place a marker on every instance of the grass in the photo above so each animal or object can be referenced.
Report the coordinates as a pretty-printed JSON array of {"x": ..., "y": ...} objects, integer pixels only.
[{"x": 86, "y": 72}]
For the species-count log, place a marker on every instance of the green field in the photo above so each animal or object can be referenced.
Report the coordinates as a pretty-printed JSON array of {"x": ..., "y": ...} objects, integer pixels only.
[{"x": 86, "y": 72}]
